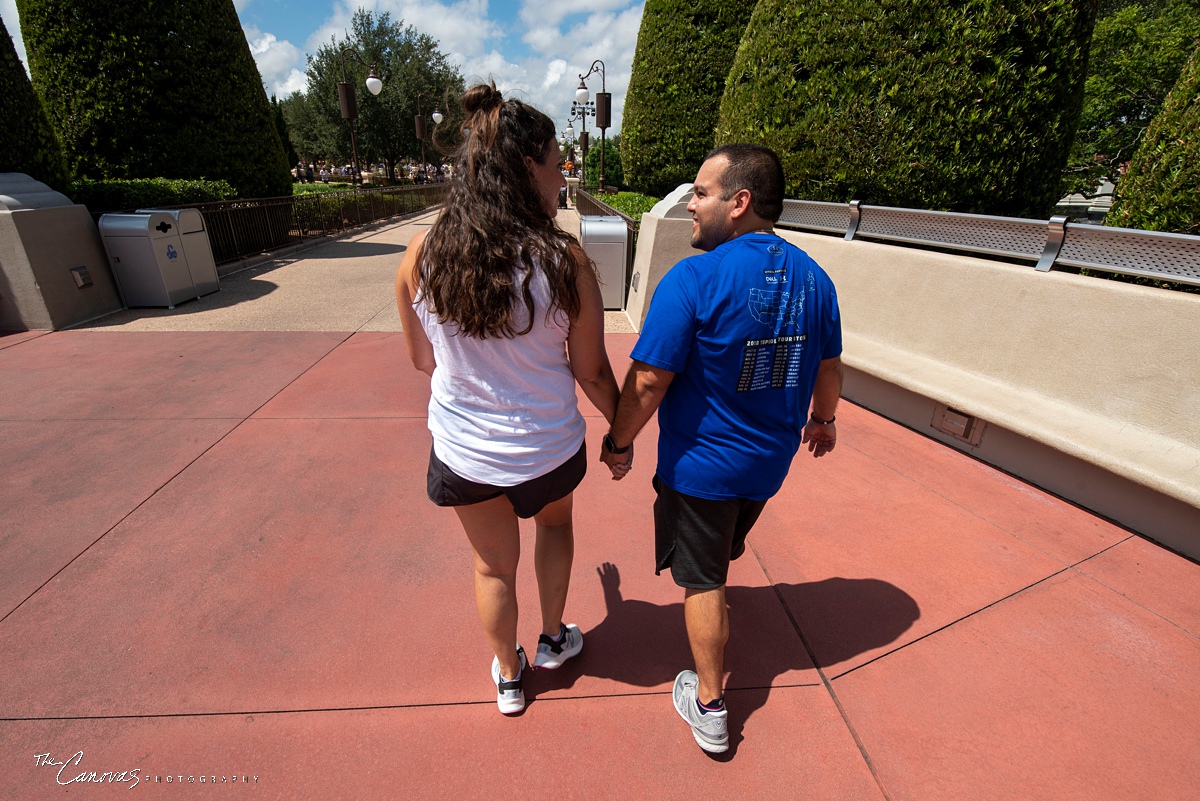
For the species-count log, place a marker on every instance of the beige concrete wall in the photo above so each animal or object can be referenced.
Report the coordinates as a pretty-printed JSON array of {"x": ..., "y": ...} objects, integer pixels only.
[
  {"x": 1104, "y": 374},
  {"x": 38, "y": 248},
  {"x": 662, "y": 243}
]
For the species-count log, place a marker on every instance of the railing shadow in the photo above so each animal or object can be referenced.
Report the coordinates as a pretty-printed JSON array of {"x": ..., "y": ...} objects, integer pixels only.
[{"x": 645, "y": 645}]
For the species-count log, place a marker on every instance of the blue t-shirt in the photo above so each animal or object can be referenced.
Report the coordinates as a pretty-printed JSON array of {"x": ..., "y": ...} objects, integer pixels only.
[{"x": 744, "y": 327}]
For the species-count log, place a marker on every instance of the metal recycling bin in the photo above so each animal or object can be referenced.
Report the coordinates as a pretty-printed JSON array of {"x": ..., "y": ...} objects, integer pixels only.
[
  {"x": 197, "y": 251},
  {"x": 146, "y": 255},
  {"x": 606, "y": 242}
]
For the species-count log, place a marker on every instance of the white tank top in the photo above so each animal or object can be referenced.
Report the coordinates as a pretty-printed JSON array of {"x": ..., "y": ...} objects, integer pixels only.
[{"x": 503, "y": 411}]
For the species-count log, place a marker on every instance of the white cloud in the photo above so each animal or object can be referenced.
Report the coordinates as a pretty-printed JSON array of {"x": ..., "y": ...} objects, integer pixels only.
[
  {"x": 463, "y": 28},
  {"x": 542, "y": 13},
  {"x": 278, "y": 62}
]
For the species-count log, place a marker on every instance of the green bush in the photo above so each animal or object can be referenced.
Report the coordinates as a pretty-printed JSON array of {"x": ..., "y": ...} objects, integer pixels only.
[
  {"x": 967, "y": 106},
  {"x": 684, "y": 51},
  {"x": 1160, "y": 190},
  {"x": 148, "y": 90},
  {"x": 27, "y": 142},
  {"x": 144, "y": 193},
  {"x": 631, "y": 203}
]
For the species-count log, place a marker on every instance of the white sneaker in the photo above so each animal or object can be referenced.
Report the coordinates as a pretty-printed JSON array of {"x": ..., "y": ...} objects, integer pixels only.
[
  {"x": 510, "y": 697},
  {"x": 710, "y": 729},
  {"x": 551, "y": 654}
]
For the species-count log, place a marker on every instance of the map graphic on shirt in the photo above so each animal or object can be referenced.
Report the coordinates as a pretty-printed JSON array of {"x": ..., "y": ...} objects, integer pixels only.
[{"x": 775, "y": 308}]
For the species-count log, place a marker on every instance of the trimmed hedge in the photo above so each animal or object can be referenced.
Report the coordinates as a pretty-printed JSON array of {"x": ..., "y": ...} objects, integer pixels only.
[
  {"x": 1160, "y": 189},
  {"x": 105, "y": 196},
  {"x": 968, "y": 106},
  {"x": 27, "y": 142},
  {"x": 684, "y": 51},
  {"x": 614, "y": 173},
  {"x": 148, "y": 90},
  {"x": 631, "y": 203}
]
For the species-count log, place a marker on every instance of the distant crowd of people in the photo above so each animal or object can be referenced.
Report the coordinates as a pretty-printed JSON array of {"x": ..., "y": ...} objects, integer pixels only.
[{"x": 323, "y": 172}]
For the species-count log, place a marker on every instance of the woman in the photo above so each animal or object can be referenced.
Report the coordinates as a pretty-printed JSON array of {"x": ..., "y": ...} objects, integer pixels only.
[{"x": 501, "y": 308}]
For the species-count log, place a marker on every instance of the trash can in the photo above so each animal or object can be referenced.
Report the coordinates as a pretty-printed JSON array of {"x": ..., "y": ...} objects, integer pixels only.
[
  {"x": 196, "y": 248},
  {"x": 606, "y": 242},
  {"x": 562, "y": 198},
  {"x": 146, "y": 255}
]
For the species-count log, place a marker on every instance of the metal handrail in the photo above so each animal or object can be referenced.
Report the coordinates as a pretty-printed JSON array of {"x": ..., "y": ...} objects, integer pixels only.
[{"x": 1049, "y": 243}]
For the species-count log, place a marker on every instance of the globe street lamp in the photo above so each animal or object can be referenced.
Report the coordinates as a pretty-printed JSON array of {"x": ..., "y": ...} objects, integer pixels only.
[
  {"x": 603, "y": 108},
  {"x": 582, "y": 111},
  {"x": 419, "y": 122},
  {"x": 349, "y": 103}
]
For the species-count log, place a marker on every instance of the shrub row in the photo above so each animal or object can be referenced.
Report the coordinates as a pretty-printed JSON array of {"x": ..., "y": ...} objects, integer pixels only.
[
  {"x": 684, "y": 51},
  {"x": 142, "y": 90},
  {"x": 143, "y": 193},
  {"x": 967, "y": 106},
  {"x": 27, "y": 142}
]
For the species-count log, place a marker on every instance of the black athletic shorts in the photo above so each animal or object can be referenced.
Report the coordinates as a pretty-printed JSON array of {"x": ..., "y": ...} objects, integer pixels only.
[
  {"x": 447, "y": 488},
  {"x": 697, "y": 537}
]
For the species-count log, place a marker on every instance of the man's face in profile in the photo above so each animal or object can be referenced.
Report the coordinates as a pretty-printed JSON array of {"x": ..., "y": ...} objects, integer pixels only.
[{"x": 712, "y": 224}]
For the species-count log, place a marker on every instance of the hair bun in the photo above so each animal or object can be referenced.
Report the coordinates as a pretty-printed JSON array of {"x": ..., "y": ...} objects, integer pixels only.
[{"x": 481, "y": 97}]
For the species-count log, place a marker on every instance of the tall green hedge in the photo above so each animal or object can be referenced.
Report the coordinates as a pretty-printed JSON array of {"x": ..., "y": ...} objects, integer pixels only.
[
  {"x": 27, "y": 142},
  {"x": 684, "y": 51},
  {"x": 968, "y": 106},
  {"x": 1161, "y": 189},
  {"x": 165, "y": 88}
]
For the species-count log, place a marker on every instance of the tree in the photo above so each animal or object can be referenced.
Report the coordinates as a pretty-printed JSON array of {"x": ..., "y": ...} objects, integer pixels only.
[
  {"x": 684, "y": 52},
  {"x": 159, "y": 89},
  {"x": 413, "y": 70},
  {"x": 27, "y": 142},
  {"x": 282, "y": 128},
  {"x": 967, "y": 106},
  {"x": 1159, "y": 191},
  {"x": 614, "y": 174},
  {"x": 1137, "y": 52}
]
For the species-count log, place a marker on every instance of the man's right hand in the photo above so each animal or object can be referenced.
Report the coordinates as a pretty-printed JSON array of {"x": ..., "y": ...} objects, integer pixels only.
[{"x": 618, "y": 463}]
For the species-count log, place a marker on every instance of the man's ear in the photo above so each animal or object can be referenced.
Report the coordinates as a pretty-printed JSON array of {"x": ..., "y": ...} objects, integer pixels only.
[{"x": 741, "y": 204}]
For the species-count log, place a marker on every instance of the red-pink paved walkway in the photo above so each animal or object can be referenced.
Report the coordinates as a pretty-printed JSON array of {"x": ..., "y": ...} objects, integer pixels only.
[{"x": 217, "y": 560}]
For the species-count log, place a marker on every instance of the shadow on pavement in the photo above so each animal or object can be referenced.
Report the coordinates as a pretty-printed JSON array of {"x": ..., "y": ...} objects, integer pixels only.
[
  {"x": 353, "y": 250},
  {"x": 645, "y": 645}
]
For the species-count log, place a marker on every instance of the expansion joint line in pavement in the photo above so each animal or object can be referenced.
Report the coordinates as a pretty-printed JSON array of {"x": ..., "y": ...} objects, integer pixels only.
[
  {"x": 166, "y": 483},
  {"x": 862, "y": 749}
]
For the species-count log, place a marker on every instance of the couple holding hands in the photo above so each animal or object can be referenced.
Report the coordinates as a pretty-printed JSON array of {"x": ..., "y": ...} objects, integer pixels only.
[{"x": 502, "y": 310}]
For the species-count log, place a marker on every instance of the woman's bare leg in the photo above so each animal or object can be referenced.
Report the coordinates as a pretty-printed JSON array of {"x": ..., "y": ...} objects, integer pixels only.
[
  {"x": 552, "y": 557},
  {"x": 495, "y": 536}
]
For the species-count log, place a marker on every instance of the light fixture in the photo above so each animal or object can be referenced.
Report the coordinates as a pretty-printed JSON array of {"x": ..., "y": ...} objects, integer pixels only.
[
  {"x": 437, "y": 116},
  {"x": 374, "y": 85},
  {"x": 582, "y": 94},
  {"x": 570, "y": 132}
]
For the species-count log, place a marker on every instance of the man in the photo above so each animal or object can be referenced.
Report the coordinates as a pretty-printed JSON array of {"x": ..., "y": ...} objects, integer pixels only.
[{"x": 737, "y": 343}]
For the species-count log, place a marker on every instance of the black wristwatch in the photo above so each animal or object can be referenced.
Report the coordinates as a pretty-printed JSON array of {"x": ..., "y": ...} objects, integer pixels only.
[{"x": 611, "y": 446}]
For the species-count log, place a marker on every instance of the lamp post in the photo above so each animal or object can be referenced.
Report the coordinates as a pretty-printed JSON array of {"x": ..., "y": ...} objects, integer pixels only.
[
  {"x": 582, "y": 111},
  {"x": 349, "y": 103},
  {"x": 603, "y": 109},
  {"x": 419, "y": 122}
]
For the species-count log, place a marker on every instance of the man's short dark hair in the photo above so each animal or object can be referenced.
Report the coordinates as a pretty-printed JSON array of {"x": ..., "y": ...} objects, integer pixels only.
[{"x": 757, "y": 169}]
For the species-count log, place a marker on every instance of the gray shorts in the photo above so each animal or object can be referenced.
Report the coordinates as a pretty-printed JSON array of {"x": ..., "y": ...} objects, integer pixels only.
[
  {"x": 697, "y": 537},
  {"x": 447, "y": 488}
]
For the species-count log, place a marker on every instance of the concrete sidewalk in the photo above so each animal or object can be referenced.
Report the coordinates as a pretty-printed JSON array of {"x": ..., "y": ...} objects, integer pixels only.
[{"x": 218, "y": 563}]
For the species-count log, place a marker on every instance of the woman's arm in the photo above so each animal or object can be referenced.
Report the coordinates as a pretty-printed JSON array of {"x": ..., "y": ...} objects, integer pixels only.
[
  {"x": 420, "y": 350},
  {"x": 585, "y": 343}
]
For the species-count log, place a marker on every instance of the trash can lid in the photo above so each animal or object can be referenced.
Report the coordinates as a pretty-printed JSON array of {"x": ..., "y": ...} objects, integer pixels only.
[{"x": 155, "y": 224}]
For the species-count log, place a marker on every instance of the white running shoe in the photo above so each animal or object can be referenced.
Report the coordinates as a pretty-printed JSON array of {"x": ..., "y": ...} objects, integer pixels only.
[
  {"x": 710, "y": 729},
  {"x": 551, "y": 654},
  {"x": 510, "y": 697}
]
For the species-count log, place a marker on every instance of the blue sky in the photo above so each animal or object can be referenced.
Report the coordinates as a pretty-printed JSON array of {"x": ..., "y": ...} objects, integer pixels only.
[{"x": 534, "y": 49}]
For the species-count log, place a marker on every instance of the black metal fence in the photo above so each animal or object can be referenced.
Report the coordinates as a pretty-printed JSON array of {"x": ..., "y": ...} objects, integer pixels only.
[{"x": 241, "y": 228}]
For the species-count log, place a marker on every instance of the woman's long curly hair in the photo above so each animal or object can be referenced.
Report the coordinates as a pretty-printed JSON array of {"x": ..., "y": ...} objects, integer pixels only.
[{"x": 479, "y": 257}]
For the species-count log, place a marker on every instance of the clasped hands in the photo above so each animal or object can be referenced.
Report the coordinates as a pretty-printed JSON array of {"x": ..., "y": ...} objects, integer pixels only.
[{"x": 618, "y": 463}]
